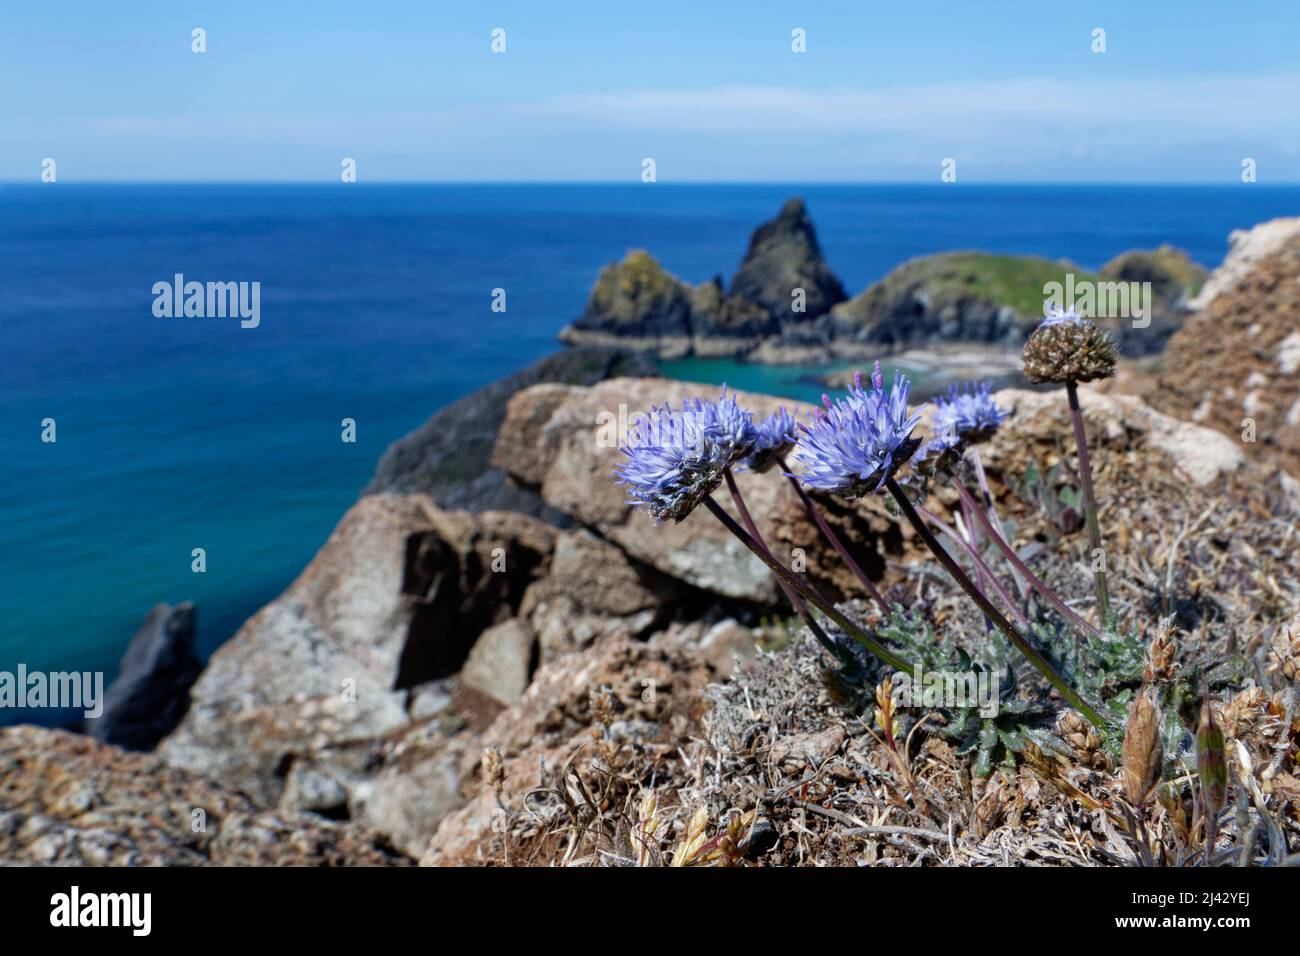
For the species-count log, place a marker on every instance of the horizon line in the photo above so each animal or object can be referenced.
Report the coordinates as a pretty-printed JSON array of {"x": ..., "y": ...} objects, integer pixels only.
[{"x": 680, "y": 182}]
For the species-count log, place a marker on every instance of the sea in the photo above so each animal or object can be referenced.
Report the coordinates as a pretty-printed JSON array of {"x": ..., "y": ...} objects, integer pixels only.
[{"x": 375, "y": 305}]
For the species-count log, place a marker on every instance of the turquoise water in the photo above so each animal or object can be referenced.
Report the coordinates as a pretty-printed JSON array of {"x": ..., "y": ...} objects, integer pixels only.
[
  {"x": 799, "y": 382},
  {"x": 182, "y": 433}
]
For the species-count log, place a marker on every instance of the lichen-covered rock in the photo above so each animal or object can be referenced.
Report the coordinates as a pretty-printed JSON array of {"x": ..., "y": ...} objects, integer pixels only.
[
  {"x": 395, "y": 598},
  {"x": 636, "y": 303},
  {"x": 1235, "y": 365},
  {"x": 651, "y": 693},
  {"x": 71, "y": 800}
]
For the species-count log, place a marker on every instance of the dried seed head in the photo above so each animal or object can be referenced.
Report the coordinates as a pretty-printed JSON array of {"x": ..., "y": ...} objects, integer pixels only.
[
  {"x": 1159, "y": 664},
  {"x": 1069, "y": 352},
  {"x": 1277, "y": 707},
  {"x": 1284, "y": 654},
  {"x": 602, "y": 705},
  {"x": 494, "y": 771},
  {"x": 1083, "y": 740},
  {"x": 1242, "y": 714},
  {"x": 1143, "y": 754},
  {"x": 1211, "y": 764},
  {"x": 885, "y": 707}
]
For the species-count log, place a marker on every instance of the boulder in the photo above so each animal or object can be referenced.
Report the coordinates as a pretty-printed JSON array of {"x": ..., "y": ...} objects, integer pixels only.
[
  {"x": 396, "y": 598},
  {"x": 447, "y": 458},
  {"x": 784, "y": 256},
  {"x": 501, "y": 662},
  {"x": 69, "y": 800},
  {"x": 151, "y": 692},
  {"x": 579, "y": 443},
  {"x": 594, "y": 589}
]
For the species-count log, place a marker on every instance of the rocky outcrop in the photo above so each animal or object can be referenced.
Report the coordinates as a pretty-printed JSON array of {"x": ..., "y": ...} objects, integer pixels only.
[
  {"x": 724, "y": 325},
  {"x": 636, "y": 304},
  {"x": 1174, "y": 277},
  {"x": 1235, "y": 365},
  {"x": 577, "y": 447},
  {"x": 66, "y": 799},
  {"x": 975, "y": 297},
  {"x": 447, "y": 458},
  {"x": 786, "y": 307},
  {"x": 784, "y": 271},
  {"x": 289, "y": 710},
  {"x": 782, "y": 285},
  {"x": 151, "y": 692}
]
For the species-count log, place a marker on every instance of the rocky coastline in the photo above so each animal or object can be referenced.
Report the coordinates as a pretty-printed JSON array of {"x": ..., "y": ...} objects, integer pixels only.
[
  {"x": 784, "y": 305},
  {"x": 491, "y": 620}
]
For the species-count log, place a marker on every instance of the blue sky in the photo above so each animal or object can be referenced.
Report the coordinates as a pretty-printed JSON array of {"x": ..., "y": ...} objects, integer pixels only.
[{"x": 710, "y": 90}]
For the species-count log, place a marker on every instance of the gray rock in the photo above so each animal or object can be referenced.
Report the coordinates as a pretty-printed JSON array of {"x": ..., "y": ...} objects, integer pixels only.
[
  {"x": 502, "y": 661},
  {"x": 448, "y": 457},
  {"x": 784, "y": 256},
  {"x": 151, "y": 693}
]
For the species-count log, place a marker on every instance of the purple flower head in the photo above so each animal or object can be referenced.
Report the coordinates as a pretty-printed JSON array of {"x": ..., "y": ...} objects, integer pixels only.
[
  {"x": 858, "y": 443},
  {"x": 676, "y": 457},
  {"x": 729, "y": 426},
  {"x": 1055, "y": 315},
  {"x": 939, "y": 453},
  {"x": 968, "y": 411},
  {"x": 774, "y": 437}
]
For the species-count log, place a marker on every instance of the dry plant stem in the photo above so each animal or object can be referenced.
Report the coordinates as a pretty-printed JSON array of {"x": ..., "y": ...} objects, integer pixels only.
[
  {"x": 813, "y": 596},
  {"x": 981, "y": 566},
  {"x": 1043, "y": 665},
  {"x": 990, "y": 511},
  {"x": 1089, "y": 501},
  {"x": 815, "y": 513},
  {"x": 973, "y": 540},
  {"x": 790, "y": 593},
  {"x": 1014, "y": 559}
]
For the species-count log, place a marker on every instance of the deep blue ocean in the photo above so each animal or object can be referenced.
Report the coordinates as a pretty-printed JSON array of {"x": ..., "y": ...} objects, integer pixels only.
[{"x": 184, "y": 433}]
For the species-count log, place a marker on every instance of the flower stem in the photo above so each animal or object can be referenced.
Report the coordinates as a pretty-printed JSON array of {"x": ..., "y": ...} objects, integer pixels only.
[
  {"x": 984, "y": 571},
  {"x": 814, "y": 597},
  {"x": 1089, "y": 502},
  {"x": 991, "y": 510},
  {"x": 793, "y": 595},
  {"x": 1043, "y": 665},
  {"x": 1032, "y": 579},
  {"x": 815, "y": 513}
]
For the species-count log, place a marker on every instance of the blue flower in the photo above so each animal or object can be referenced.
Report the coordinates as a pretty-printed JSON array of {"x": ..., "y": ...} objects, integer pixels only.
[
  {"x": 1058, "y": 316},
  {"x": 968, "y": 411},
  {"x": 729, "y": 426},
  {"x": 857, "y": 444},
  {"x": 774, "y": 437},
  {"x": 675, "y": 458},
  {"x": 939, "y": 453}
]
